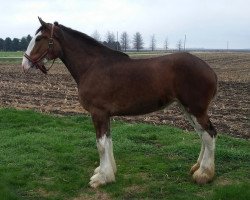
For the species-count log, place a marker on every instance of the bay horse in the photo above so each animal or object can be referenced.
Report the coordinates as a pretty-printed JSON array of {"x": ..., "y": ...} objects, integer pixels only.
[{"x": 110, "y": 83}]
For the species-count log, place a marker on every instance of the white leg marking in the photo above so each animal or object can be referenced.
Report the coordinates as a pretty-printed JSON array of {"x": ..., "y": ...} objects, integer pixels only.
[
  {"x": 105, "y": 173},
  {"x": 205, "y": 160},
  {"x": 208, "y": 145},
  {"x": 198, "y": 129},
  {"x": 208, "y": 157},
  {"x": 203, "y": 170},
  {"x": 193, "y": 121},
  {"x": 201, "y": 153},
  {"x": 112, "y": 157}
]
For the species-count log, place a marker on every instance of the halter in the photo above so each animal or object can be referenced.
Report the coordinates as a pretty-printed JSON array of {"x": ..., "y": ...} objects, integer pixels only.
[{"x": 36, "y": 62}]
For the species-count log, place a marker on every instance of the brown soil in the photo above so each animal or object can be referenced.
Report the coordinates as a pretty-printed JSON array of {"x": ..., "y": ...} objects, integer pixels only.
[{"x": 57, "y": 93}]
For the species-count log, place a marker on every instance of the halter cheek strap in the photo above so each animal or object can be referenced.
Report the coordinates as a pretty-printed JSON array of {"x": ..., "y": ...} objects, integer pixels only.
[{"x": 36, "y": 62}]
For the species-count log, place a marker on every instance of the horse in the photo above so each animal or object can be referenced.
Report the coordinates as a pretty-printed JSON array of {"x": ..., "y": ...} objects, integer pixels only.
[{"x": 110, "y": 83}]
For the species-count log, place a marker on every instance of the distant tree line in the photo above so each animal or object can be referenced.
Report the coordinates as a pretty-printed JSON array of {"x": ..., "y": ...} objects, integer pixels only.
[
  {"x": 123, "y": 43},
  {"x": 111, "y": 42},
  {"x": 15, "y": 44}
]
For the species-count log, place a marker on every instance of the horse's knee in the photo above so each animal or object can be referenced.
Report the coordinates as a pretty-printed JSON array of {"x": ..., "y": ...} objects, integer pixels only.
[
  {"x": 211, "y": 129},
  {"x": 207, "y": 125}
]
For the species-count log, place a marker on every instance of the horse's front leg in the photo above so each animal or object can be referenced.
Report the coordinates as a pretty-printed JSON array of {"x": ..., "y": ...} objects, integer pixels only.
[{"x": 105, "y": 173}]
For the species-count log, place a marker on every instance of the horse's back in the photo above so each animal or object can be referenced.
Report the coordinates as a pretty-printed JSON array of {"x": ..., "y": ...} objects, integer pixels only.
[{"x": 182, "y": 73}]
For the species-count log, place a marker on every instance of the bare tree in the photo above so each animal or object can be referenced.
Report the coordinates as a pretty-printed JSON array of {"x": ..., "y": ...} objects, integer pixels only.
[
  {"x": 153, "y": 43},
  {"x": 138, "y": 41},
  {"x": 96, "y": 35},
  {"x": 179, "y": 45},
  {"x": 166, "y": 45},
  {"x": 124, "y": 41},
  {"x": 110, "y": 37},
  {"x": 111, "y": 41}
]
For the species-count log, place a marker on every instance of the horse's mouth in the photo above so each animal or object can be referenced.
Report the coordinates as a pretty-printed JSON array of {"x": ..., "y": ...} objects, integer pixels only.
[{"x": 41, "y": 67}]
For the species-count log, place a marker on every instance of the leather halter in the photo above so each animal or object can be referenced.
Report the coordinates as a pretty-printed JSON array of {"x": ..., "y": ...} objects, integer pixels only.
[{"x": 36, "y": 62}]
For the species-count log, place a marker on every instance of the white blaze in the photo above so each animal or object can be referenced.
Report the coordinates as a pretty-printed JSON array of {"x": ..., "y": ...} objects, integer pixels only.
[{"x": 26, "y": 64}]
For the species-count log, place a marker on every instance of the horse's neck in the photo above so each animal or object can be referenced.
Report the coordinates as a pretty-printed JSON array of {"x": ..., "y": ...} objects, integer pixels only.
[
  {"x": 79, "y": 54},
  {"x": 78, "y": 57}
]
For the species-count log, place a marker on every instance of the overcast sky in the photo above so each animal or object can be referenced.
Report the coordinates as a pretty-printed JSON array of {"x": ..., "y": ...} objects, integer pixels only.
[{"x": 206, "y": 23}]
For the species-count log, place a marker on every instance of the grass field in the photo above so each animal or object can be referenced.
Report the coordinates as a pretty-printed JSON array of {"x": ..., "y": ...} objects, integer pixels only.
[
  {"x": 11, "y": 57},
  {"x": 52, "y": 157},
  {"x": 11, "y": 54}
]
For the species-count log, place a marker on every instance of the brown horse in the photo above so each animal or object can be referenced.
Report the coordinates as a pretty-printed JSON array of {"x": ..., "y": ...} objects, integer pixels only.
[{"x": 110, "y": 83}]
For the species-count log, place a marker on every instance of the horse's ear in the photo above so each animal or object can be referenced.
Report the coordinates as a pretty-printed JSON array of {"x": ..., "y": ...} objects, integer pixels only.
[{"x": 43, "y": 23}]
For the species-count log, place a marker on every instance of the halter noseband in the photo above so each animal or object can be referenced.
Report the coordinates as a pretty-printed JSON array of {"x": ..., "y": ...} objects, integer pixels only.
[{"x": 37, "y": 61}]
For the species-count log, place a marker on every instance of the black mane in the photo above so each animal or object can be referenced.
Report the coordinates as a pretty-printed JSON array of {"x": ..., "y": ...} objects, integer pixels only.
[
  {"x": 90, "y": 40},
  {"x": 85, "y": 38},
  {"x": 75, "y": 34},
  {"x": 81, "y": 35}
]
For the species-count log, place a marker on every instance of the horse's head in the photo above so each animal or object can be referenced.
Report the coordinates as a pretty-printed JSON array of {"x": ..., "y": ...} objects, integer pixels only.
[{"x": 43, "y": 47}]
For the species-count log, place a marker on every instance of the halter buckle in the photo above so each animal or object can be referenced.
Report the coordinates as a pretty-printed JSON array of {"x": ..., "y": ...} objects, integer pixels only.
[{"x": 51, "y": 42}]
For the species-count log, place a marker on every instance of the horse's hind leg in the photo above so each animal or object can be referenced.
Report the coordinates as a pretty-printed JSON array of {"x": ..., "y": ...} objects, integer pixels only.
[
  {"x": 203, "y": 170},
  {"x": 192, "y": 121}
]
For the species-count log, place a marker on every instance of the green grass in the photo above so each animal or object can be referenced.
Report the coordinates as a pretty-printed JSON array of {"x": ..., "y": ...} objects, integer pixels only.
[
  {"x": 51, "y": 157},
  {"x": 11, "y": 54},
  {"x": 9, "y": 57},
  {"x": 10, "y": 61}
]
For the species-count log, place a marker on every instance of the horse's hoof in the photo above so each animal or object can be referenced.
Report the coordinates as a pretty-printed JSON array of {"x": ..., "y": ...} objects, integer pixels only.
[
  {"x": 195, "y": 167},
  {"x": 203, "y": 176},
  {"x": 97, "y": 180},
  {"x": 100, "y": 179}
]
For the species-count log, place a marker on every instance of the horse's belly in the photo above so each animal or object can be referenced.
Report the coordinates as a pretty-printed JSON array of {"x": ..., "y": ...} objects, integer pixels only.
[{"x": 140, "y": 108}]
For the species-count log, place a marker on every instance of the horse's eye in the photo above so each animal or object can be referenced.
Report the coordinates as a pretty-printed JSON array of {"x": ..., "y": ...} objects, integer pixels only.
[{"x": 38, "y": 39}]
